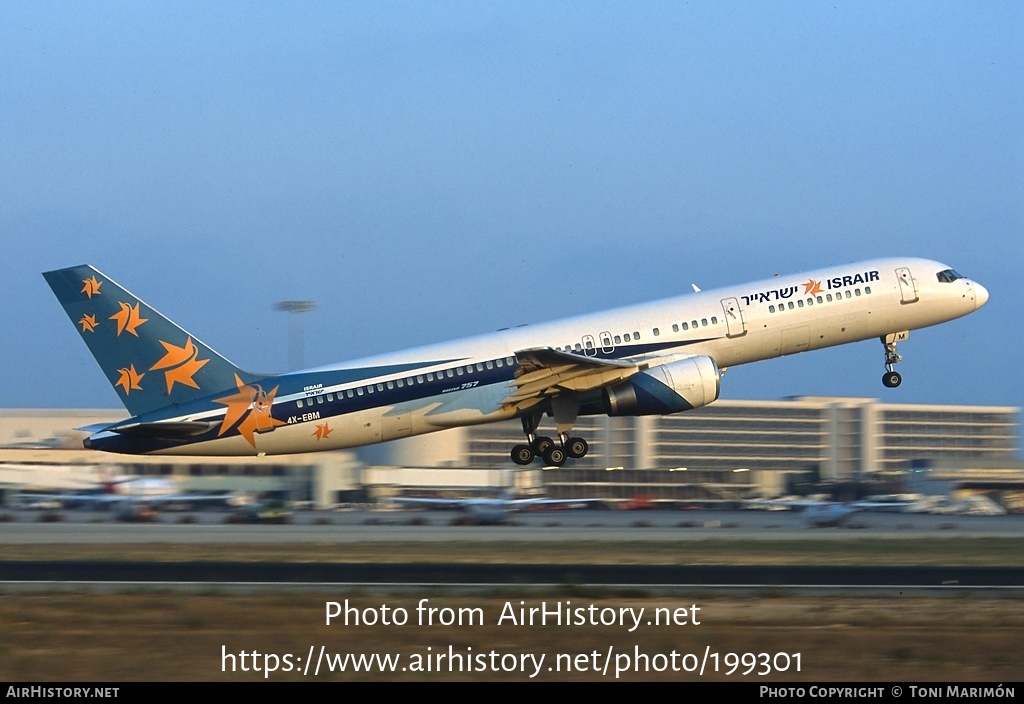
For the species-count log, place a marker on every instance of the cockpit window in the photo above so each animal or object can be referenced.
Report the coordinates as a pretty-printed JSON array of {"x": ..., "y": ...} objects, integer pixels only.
[{"x": 948, "y": 276}]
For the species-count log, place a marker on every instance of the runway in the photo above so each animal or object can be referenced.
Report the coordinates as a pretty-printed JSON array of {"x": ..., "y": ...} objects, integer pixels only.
[
  {"x": 89, "y": 527},
  {"x": 605, "y": 561},
  {"x": 428, "y": 574}
]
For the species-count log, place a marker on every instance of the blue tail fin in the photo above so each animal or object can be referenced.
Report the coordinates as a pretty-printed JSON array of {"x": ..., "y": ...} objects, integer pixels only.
[{"x": 151, "y": 362}]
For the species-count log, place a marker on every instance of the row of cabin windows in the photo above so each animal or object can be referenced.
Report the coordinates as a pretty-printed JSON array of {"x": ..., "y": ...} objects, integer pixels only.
[
  {"x": 704, "y": 322},
  {"x": 627, "y": 337},
  {"x": 692, "y": 324},
  {"x": 409, "y": 381},
  {"x": 827, "y": 298}
]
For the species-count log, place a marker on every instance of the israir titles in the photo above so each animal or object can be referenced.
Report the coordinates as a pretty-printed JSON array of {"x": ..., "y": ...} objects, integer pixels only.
[{"x": 812, "y": 287}]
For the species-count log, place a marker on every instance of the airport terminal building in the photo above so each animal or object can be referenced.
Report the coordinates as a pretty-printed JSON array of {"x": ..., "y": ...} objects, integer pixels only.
[
  {"x": 732, "y": 449},
  {"x": 725, "y": 452}
]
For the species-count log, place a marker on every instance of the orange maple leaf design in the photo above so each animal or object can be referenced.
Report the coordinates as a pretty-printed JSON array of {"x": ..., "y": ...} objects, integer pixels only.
[
  {"x": 88, "y": 323},
  {"x": 252, "y": 405},
  {"x": 182, "y": 364},
  {"x": 322, "y": 431},
  {"x": 128, "y": 318},
  {"x": 129, "y": 380},
  {"x": 238, "y": 405},
  {"x": 812, "y": 287},
  {"x": 91, "y": 287}
]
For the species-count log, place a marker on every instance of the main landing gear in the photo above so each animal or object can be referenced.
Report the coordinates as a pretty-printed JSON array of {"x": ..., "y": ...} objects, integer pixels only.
[
  {"x": 554, "y": 454},
  {"x": 891, "y": 379}
]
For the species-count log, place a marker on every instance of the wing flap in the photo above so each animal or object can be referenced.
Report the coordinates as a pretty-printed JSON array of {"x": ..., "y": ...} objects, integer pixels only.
[{"x": 545, "y": 372}]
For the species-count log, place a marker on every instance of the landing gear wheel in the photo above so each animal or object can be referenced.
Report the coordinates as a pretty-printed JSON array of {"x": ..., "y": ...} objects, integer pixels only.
[
  {"x": 892, "y": 379},
  {"x": 554, "y": 456},
  {"x": 522, "y": 454},
  {"x": 541, "y": 444},
  {"x": 576, "y": 447}
]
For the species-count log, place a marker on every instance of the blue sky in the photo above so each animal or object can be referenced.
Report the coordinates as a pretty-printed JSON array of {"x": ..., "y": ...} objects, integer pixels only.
[{"x": 425, "y": 171}]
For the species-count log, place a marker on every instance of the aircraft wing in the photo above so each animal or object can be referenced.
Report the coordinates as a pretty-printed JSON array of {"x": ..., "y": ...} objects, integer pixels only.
[{"x": 545, "y": 372}]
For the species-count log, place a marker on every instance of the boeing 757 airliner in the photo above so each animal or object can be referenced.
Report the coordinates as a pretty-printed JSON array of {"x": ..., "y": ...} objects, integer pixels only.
[{"x": 654, "y": 358}]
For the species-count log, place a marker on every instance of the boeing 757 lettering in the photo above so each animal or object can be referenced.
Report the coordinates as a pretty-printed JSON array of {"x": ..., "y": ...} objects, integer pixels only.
[{"x": 656, "y": 358}]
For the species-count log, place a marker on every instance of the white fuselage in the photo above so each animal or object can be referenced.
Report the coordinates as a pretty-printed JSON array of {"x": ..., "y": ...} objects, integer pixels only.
[{"x": 734, "y": 325}]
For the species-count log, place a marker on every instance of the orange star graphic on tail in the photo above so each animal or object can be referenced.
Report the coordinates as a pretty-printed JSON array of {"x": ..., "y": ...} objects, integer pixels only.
[
  {"x": 128, "y": 318},
  {"x": 88, "y": 323},
  {"x": 252, "y": 405},
  {"x": 182, "y": 364},
  {"x": 91, "y": 287},
  {"x": 129, "y": 380}
]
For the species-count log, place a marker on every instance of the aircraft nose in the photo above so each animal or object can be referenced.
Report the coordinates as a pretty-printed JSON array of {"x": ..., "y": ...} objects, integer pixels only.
[{"x": 980, "y": 296}]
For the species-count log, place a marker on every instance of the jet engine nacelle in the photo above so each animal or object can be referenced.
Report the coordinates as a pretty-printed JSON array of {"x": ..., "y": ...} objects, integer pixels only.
[{"x": 668, "y": 388}]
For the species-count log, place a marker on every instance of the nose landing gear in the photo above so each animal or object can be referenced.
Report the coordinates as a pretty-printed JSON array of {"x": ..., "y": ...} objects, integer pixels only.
[{"x": 891, "y": 379}]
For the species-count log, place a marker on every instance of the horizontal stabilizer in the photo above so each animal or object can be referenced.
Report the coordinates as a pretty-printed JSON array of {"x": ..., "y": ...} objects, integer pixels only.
[{"x": 168, "y": 429}]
